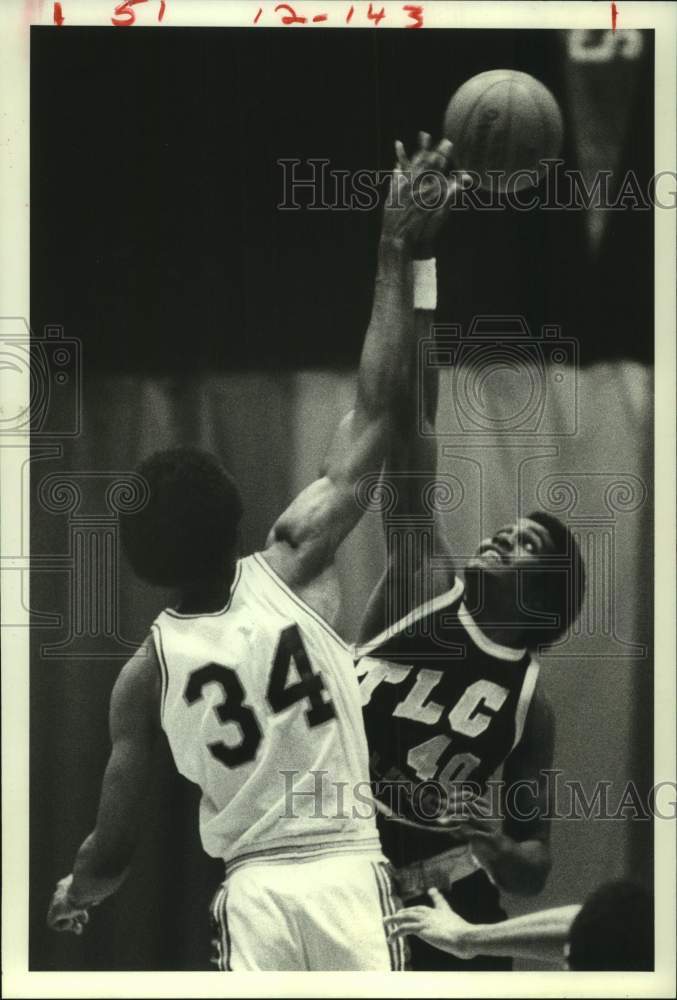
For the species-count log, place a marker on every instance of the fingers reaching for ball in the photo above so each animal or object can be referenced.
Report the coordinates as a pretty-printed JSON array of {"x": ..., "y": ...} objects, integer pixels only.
[
  {"x": 421, "y": 191},
  {"x": 425, "y": 158},
  {"x": 401, "y": 155}
]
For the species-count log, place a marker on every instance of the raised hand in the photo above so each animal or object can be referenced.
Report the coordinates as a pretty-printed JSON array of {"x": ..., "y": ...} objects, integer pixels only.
[{"x": 420, "y": 192}]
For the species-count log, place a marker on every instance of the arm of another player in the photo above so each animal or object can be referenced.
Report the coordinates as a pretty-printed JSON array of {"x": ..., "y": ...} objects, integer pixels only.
[
  {"x": 303, "y": 541},
  {"x": 407, "y": 580},
  {"x": 517, "y": 857},
  {"x": 102, "y": 862},
  {"x": 412, "y": 458},
  {"x": 541, "y": 935}
]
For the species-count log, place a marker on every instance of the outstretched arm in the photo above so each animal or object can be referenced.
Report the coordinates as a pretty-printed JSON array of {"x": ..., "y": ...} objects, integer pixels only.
[
  {"x": 541, "y": 935},
  {"x": 411, "y": 463},
  {"x": 103, "y": 860},
  {"x": 304, "y": 539},
  {"x": 303, "y": 542}
]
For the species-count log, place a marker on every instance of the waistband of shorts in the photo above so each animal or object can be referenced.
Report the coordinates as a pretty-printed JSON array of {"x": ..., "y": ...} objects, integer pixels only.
[
  {"x": 441, "y": 871},
  {"x": 290, "y": 854}
]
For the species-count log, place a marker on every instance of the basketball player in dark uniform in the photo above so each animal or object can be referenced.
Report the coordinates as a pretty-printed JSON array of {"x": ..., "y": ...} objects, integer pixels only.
[{"x": 450, "y": 689}]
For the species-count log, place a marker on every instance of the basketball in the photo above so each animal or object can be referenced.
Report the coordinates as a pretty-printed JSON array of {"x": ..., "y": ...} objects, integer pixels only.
[{"x": 504, "y": 121}]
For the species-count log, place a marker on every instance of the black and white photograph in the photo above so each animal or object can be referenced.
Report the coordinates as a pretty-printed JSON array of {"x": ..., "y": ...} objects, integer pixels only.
[{"x": 338, "y": 457}]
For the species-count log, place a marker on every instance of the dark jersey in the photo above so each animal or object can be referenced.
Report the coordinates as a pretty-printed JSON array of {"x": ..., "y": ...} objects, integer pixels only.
[{"x": 443, "y": 705}]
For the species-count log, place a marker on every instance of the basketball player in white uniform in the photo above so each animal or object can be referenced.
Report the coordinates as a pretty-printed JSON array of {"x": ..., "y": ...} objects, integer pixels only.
[{"x": 255, "y": 691}]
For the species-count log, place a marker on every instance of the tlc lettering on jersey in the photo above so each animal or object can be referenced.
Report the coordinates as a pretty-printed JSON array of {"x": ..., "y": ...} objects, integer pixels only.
[
  {"x": 470, "y": 716},
  {"x": 432, "y": 723}
]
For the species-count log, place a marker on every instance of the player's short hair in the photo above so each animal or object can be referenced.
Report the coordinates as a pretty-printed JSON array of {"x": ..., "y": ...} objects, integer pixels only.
[
  {"x": 559, "y": 589},
  {"x": 614, "y": 930},
  {"x": 187, "y": 530}
]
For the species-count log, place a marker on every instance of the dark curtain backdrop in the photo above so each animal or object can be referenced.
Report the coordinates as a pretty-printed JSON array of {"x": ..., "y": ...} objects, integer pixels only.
[
  {"x": 272, "y": 431},
  {"x": 156, "y": 236}
]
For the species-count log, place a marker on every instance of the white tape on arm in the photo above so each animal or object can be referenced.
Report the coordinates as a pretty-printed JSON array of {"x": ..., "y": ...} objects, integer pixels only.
[{"x": 425, "y": 284}]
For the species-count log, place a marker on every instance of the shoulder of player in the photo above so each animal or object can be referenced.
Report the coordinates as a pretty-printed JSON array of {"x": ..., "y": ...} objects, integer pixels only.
[
  {"x": 319, "y": 591},
  {"x": 295, "y": 565},
  {"x": 440, "y": 582},
  {"x": 541, "y": 705},
  {"x": 445, "y": 594},
  {"x": 137, "y": 689},
  {"x": 539, "y": 725},
  {"x": 280, "y": 556},
  {"x": 303, "y": 541}
]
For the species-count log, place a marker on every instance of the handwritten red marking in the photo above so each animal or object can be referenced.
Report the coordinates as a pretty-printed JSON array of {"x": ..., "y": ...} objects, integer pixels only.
[
  {"x": 319, "y": 17},
  {"x": 415, "y": 12},
  {"x": 58, "y": 15},
  {"x": 614, "y": 15},
  {"x": 124, "y": 10},
  {"x": 162, "y": 10},
  {"x": 350, "y": 15},
  {"x": 376, "y": 16},
  {"x": 292, "y": 17},
  {"x": 258, "y": 15}
]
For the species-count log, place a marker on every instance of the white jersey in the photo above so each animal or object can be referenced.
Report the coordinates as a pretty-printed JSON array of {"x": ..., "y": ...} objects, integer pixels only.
[{"x": 261, "y": 707}]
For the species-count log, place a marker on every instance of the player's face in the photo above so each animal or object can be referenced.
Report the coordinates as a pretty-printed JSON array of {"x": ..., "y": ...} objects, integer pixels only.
[{"x": 518, "y": 545}]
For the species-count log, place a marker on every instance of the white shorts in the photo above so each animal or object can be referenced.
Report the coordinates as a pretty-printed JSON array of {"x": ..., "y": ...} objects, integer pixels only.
[{"x": 317, "y": 915}]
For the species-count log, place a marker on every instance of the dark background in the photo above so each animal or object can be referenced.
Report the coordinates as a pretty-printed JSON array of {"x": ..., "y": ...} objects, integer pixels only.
[
  {"x": 156, "y": 242},
  {"x": 155, "y": 181}
]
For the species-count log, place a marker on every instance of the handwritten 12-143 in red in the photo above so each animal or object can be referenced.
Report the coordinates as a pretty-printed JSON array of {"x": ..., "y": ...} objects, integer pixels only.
[{"x": 287, "y": 15}]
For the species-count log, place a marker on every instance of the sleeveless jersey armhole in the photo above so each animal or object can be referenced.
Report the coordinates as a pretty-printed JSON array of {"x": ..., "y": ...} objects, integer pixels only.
[
  {"x": 162, "y": 667},
  {"x": 525, "y": 698}
]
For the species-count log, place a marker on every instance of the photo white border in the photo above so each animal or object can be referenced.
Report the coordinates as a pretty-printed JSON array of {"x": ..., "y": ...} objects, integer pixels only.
[{"x": 16, "y": 17}]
